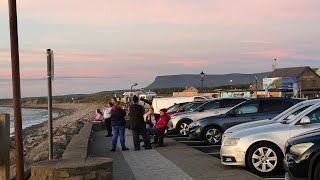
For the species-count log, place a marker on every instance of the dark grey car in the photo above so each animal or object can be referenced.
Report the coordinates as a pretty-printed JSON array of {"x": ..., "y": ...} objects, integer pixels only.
[{"x": 210, "y": 129}]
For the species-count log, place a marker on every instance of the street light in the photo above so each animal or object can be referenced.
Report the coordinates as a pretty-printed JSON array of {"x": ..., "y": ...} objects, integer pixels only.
[
  {"x": 202, "y": 76},
  {"x": 231, "y": 84},
  {"x": 256, "y": 85},
  {"x": 131, "y": 90}
]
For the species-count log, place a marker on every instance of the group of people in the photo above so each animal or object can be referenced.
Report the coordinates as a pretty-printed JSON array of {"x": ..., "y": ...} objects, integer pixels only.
[{"x": 153, "y": 125}]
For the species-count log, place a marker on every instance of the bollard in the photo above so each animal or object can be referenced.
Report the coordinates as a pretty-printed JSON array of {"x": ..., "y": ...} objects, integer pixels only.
[{"x": 5, "y": 146}]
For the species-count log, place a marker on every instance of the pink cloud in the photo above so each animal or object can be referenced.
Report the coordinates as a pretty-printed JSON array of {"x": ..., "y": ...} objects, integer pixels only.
[
  {"x": 191, "y": 63},
  {"x": 274, "y": 54}
]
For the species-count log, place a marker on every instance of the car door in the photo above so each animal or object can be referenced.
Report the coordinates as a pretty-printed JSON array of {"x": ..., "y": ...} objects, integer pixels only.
[
  {"x": 241, "y": 114},
  {"x": 314, "y": 116}
]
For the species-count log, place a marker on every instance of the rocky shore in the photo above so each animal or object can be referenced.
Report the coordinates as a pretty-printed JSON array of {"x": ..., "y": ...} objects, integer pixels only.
[{"x": 35, "y": 138}]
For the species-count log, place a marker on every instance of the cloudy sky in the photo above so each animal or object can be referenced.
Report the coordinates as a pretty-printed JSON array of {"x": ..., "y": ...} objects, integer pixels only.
[{"x": 110, "y": 44}]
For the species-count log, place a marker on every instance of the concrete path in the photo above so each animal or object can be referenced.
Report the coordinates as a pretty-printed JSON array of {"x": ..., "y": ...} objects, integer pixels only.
[{"x": 174, "y": 161}]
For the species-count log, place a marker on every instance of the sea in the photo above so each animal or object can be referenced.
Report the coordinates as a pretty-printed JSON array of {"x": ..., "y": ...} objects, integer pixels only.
[{"x": 30, "y": 116}]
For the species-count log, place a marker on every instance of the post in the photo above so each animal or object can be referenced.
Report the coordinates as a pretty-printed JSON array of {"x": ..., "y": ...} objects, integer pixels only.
[
  {"x": 50, "y": 133},
  {"x": 202, "y": 85},
  {"x": 5, "y": 146},
  {"x": 15, "y": 66}
]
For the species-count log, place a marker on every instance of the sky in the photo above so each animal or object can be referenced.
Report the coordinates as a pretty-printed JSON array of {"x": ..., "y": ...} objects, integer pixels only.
[{"x": 107, "y": 44}]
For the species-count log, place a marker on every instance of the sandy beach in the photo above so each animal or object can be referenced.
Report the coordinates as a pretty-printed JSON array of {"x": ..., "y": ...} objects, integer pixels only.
[{"x": 35, "y": 138}]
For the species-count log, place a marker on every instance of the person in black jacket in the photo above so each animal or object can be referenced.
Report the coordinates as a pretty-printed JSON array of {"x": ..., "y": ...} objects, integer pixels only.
[
  {"x": 137, "y": 125},
  {"x": 118, "y": 127}
]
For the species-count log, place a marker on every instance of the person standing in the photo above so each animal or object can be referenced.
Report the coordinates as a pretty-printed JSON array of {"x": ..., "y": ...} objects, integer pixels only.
[
  {"x": 107, "y": 118},
  {"x": 138, "y": 125},
  {"x": 118, "y": 127},
  {"x": 160, "y": 127}
]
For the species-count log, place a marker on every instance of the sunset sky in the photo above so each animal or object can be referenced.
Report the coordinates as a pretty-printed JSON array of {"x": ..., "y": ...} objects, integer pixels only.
[{"x": 105, "y": 45}]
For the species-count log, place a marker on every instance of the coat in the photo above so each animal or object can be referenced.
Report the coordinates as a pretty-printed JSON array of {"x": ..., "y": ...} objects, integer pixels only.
[
  {"x": 117, "y": 116},
  {"x": 136, "y": 117},
  {"x": 162, "y": 123}
]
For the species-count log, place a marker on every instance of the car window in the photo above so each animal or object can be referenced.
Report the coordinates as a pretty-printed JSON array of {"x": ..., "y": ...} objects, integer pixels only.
[
  {"x": 211, "y": 105},
  {"x": 248, "y": 108},
  {"x": 225, "y": 103},
  {"x": 297, "y": 111},
  {"x": 192, "y": 106},
  {"x": 314, "y": 116},
  {"x": 173, "y": 108},
  {"x": 274, "y": 105}
]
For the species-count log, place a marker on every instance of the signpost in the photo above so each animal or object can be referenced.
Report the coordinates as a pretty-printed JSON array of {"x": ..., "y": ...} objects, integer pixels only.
[{"x": 50, "y": 73}]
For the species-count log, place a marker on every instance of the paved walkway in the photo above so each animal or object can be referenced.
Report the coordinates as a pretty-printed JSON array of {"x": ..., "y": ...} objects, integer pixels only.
[{"x": 174, "y": 161}]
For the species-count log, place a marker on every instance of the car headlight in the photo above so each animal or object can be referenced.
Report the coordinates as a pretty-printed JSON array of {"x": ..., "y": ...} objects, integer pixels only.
[
  {"x": 194, "y": 124},
  {"x": 299, "y": 149},
  {"x": 231, "y": 141}
]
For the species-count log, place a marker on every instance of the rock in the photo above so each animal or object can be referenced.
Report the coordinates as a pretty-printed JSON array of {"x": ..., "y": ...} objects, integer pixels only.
[{"x": 42, "y": 156}]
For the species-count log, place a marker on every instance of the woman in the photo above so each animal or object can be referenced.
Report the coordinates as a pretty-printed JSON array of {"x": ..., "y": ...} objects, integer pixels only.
[
  {"x": 152, "y": 119},
  {"x": 99, "y": 116},
  {"x": 107, "y": 118},
  {"x": 118, "y": 127},
  {"x": 160, "y": 127}
]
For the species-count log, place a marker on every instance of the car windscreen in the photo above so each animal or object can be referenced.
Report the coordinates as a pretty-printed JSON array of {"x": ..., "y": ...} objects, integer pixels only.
[
  {"x": 173, "y": 108},
  {"x": 291, "y": 115},
  {"x": 192, "y": 106}
]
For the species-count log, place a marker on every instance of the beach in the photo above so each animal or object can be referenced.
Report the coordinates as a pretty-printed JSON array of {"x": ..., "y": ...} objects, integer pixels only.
[{"x": 35, "y": 138}]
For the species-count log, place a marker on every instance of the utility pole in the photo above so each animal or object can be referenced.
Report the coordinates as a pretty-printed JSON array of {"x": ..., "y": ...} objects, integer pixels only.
[
  {"x": 15, "y": 66},
  {"x": 49, "y": 75}
]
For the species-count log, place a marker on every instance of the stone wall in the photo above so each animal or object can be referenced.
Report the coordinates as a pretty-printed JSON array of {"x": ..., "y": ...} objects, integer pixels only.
[{"x": 75, "y": 164}]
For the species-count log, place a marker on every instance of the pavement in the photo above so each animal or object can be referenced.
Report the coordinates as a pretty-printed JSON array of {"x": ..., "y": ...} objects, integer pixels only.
[{"x": 174, "y": 161}]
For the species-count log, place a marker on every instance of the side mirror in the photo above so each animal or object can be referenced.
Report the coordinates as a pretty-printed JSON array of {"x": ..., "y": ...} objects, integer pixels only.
[
  {"x": 305, "y": 120},
  {"x": 232, "y": 114},
  {"x": 201, "y": 110}
]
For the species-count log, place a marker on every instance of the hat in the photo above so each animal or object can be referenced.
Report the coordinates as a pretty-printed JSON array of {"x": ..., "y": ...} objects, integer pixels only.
[{"x": 163, "y": 110}]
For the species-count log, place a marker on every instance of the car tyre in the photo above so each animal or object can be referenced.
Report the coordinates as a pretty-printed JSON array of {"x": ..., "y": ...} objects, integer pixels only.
[
  {"x": 316, "y": 172},
  {"x": 264, "y": 159},
  {"x": 212, "y": 135},
  {"x": 183, "y": 127}
]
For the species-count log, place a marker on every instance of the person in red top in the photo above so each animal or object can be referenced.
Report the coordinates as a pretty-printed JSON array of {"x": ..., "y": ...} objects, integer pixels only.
[{"x": 160, "y": 127}]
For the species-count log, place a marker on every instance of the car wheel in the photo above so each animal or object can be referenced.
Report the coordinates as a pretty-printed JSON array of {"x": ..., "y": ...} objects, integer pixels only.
[
  {"x": 212, "y": 135},
  {"x": 316, "y": 172},
  {"x": 264, "y": 159},
  {"x": 183, "y": 128}
]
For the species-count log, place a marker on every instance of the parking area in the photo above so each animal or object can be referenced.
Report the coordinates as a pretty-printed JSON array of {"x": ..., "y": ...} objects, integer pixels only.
[{"x": 214, "y": 150}]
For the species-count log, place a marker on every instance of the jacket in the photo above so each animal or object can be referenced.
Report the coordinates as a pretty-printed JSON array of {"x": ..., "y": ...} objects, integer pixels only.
[
  {"x": 162, "y": 123},
  {"x": 148, "y": 119},
  {"x": 136, "y": 117},
  {"x": 117, "y": 116},
  {"x": 107, "y": 112}
]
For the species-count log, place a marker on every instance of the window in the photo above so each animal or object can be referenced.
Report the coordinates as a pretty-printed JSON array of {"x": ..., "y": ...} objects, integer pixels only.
[
  {"x": 192, "y": 106},
  {"x": 274, "y": 105},
  {"x": 211, "y": 105},
  {"x": 230, "y": 102},
  {"x": 249, "y": 108},
  {"x": 173, "y": 108},
  {"x": 314, "y": 116}
]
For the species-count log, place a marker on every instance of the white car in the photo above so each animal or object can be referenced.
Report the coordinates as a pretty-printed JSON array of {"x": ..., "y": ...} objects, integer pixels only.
[
  {"x": 180, "y": 121},
  {"x": 261, "y": 149},
  {"x": 287, "y": 114}
]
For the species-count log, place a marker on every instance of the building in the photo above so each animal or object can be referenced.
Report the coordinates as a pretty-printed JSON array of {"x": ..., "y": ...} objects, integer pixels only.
[
  {"x": 308, "y": 81},
  {"x": 192, "y": 91}
]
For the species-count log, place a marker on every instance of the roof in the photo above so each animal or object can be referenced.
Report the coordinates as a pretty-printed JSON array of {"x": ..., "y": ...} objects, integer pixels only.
[{"x": 288, "y": 72}]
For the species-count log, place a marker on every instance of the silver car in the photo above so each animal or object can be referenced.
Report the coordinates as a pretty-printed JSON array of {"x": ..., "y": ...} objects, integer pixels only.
[
  {"x": 285, "y": 115},
  {"x": 261, "y": 149},
  {"x": 180, "y": 122}
]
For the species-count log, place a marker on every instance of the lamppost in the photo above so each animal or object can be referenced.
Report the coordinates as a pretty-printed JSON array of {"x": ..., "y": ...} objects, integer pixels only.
[
  {"x": 230, "y": 84},
  {"x": 256, "y": 77},
  {"x": 131, "y": 90},
  {"x": 202, "y": 76}
]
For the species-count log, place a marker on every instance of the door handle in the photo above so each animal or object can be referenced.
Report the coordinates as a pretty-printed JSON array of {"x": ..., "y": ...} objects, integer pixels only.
[{"x": 254, "y": 118}]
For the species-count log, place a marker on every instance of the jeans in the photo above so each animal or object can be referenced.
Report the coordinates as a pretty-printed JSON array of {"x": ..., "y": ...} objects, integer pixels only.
[{"x": 116, "y": 131}]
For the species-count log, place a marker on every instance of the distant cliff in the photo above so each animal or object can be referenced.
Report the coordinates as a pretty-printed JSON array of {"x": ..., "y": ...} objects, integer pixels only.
[{"x": 187, "y": 80}]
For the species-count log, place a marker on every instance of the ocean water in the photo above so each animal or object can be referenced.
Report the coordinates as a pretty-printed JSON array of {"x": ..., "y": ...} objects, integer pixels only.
[{"x": 29, "y": 116}]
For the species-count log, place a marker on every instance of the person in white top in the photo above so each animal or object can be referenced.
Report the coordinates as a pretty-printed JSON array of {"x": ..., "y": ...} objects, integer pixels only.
[{"x": 107, "y": 118}]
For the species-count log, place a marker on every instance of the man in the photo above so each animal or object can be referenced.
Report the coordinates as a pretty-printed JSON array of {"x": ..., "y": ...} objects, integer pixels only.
[
  {"x": 160, "y": 127},
  {"x": 138, "y": 125},
  {"x": 118, "y": 127},
  {"x": 114, "y": 101}
]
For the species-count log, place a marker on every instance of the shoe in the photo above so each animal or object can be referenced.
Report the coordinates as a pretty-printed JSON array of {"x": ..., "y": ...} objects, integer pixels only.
[
  {"x": 143, "y": 146},
  {"x": 148, "y": 148},
  {"x": 125, "y": 149},
  {"x": 108, "y": 135},
  {"x": 136, "y": 149},
  {"x": 154, "y": 143},
  {"x": 160, "y": 145},
  {"x": 113, "y": 150}
]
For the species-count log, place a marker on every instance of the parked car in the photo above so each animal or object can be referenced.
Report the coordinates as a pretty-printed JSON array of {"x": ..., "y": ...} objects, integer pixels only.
[
  {"x": 302, "y": 159},
  {"x": 177, "y": 107},
  {"x": 261, "y": 149},
  {"x": 287, "y": 114},
  {"x": 179, "y": 122},
  {"x": 210, "y": 129},
  {"x": 160, "y": 103}
]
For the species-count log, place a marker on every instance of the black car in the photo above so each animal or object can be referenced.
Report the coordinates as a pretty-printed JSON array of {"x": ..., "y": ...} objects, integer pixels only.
[
  {"x": 210, "y": 129},
  {"x": 302, "y": 159}
]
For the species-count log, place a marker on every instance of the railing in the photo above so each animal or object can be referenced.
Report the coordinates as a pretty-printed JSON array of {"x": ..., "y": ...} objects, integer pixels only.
[{"x": 4, "y": 146}]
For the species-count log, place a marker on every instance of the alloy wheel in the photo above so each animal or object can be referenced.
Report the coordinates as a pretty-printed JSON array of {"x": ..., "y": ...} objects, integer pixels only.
[
  {"x": 184, "y": 129},
  {"x": 264, "y": 159},
  {"x": 213, "y": 136}
]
